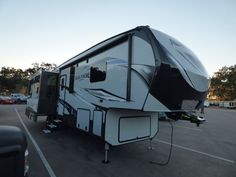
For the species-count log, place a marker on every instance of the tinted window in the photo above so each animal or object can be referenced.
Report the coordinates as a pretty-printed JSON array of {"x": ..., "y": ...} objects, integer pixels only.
[
  {"x": 52, "y": 80},
  {"x": 72, "y": 78},
  {"x": 98, "y": 72},
  {"x": 62, "y": 83}
]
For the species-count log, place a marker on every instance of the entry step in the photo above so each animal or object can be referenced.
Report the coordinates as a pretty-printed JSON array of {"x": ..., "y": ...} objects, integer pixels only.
[
  {"x": 57, "y": 121},
  {"x": 46, "y": 131},
  {"x": 52, "y": 126}
]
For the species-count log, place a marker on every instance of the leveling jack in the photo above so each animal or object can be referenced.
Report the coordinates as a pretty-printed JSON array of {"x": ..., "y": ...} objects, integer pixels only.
[{"x": 107, "y": 147}]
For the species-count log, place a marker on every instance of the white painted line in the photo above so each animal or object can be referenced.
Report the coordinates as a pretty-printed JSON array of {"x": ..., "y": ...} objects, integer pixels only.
[
  {"x": 187, "y": 128},
  {"x": 44, "y": 160},
  {"x": 196, "y": 151}
]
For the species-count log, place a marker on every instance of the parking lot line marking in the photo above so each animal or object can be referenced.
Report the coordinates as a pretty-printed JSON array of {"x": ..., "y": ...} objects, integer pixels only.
[
  {"x": 196, "y": 151},
  {"x": 189, "y": 128},
  {"x": 44, "y": 160}
]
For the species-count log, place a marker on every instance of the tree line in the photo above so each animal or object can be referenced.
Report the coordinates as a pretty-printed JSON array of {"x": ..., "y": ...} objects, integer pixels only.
[
  {"x": 16, "y": 80},
  {"x": 223, "y": 84}
]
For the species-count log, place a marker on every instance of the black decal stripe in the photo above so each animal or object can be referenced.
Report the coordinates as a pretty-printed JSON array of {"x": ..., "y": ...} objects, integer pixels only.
[{"x": 105, "y": 91}]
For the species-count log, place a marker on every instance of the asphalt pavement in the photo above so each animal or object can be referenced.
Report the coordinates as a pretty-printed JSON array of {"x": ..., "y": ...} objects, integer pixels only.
[{"x": 208, "y": 150}]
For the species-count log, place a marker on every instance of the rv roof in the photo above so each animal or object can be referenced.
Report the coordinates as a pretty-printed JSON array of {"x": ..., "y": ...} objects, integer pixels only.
[
  {"x": 96, "y": 47},
  {"x": 40, "y": 72}
]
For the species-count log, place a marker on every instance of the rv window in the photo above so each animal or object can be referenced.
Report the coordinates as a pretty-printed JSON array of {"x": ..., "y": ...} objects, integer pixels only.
[
  {"x": 37, "y": 79},
  {"x": 52, "y": 80},
  {"x": 29, "y": 87},
  {"x": 72, "y": 78},
  {"x": 37, "y": 90},
  {"x": 62, "y": 83},
  {"x": 98, "y": 72}
]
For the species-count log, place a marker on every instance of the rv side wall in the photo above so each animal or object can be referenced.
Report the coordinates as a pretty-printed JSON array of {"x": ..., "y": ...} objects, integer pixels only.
[{"x": 89, "y": 89}]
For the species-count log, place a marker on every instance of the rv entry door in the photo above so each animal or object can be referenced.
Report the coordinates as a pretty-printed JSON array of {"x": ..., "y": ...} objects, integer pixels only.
[{"x": 62, "y": 95}]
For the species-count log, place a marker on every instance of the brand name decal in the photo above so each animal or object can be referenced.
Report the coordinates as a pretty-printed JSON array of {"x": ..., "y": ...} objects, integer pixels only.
[{"x": 82, "y": 76}]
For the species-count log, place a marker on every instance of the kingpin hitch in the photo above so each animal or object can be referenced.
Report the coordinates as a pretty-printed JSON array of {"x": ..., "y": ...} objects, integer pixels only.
[{"x": 197, "y": 119}]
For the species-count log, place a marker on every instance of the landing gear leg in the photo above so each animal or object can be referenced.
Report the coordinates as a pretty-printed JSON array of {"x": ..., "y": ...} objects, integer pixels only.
[
  {"x": 106, "y": 153},
  {"x": 150, "y": 145}
]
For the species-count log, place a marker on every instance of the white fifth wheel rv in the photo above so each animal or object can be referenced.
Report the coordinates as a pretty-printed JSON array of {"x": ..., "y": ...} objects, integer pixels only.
[{"x": 116, "y": 89}]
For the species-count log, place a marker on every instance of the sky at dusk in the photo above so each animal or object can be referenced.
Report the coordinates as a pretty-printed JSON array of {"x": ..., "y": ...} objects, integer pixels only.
[{"x": 55, "y": 30}]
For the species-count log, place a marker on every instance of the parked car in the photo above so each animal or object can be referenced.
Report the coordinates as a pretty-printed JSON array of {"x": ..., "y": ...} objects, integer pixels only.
[
  {"x": 13, "y": 152},
  {"x": 6, "y": 100},
  {"x": 19, "y": 98}
]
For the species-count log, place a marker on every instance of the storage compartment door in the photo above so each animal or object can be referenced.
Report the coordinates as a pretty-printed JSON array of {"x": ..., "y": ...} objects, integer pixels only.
[
  {"x": 134, "y": 128},
  {"x": 83, "y": 116},
  {"x": 97, "y": 123}
]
